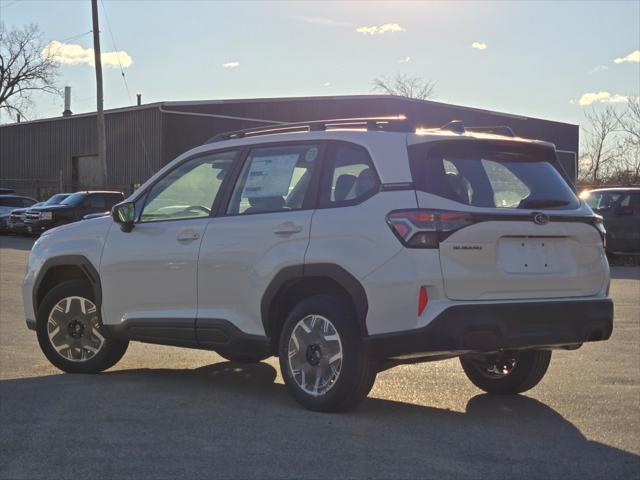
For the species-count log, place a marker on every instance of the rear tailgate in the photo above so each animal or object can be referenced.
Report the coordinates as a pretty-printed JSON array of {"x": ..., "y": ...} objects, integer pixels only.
[
  {"x": 518, "y": 230},
  {"x": 516, "y": 259}
]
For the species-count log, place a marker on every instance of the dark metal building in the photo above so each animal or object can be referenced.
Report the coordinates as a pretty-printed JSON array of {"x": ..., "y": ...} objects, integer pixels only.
[{"x": 43, "y": 156}]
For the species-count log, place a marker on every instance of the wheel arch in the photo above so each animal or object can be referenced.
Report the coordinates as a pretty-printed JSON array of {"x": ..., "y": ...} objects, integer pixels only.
[
  {"x": 295, "y": 282},
  {"x": 62, "y": 268}
]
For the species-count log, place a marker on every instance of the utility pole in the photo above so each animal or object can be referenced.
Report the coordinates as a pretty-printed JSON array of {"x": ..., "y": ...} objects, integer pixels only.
[{"x": 102, "y": 141}]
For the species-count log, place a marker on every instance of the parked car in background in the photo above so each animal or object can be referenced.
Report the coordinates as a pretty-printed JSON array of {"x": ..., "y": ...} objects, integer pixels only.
[
  {"x": 8, "y": 203},
  {"x": 69, "y": 210},
  {"x": 16, "y": 220},
  {"x": 620, "y": 209},
  {"x": 6, "y": 191}
]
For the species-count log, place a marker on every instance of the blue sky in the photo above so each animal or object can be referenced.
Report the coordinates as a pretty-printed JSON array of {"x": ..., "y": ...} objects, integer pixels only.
[{"x": 540, "y": 58}]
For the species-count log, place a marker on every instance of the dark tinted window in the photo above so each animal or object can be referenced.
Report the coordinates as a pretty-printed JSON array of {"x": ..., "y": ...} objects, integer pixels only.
[
  {"x": 56, "y": 199},
  {"x": 491, "y": 175},
  {"x": 604, "y": 200},
  {"x": 74, "y": 199},
  {"x": 349, "y": 176},
  {"x": 95, "y": 201},
  {"x": 274, "y": 179}
]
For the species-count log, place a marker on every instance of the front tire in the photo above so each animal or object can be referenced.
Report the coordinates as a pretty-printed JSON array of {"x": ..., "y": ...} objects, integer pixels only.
[
  {"x": 70, "y": 331},
  {"x": 507, "y": 374},
  {"x": 323, "y": 360}
]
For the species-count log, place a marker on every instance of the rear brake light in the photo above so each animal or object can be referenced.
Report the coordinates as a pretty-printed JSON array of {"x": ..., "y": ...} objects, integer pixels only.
[
  {"x": 423, "y": 299},
  {"x": 421, "y": 228}
]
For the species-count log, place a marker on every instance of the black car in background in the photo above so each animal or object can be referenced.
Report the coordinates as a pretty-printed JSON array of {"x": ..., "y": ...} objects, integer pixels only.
[
  {"x": 71, "y": 209},
  {"x": 16, "y": 220},
  {"x": 8, "y": 203},
  {"x": 620, "y": 209}
]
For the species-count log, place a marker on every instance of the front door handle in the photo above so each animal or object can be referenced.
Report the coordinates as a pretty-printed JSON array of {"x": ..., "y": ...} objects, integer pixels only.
[
  {"x": 287, "y": 228},
  {"x": 188, "y": 235}
]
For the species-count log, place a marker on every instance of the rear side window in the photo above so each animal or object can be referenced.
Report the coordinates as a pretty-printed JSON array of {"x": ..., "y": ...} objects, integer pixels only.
[
  {"x": 349, "y": 176},
  {"x": 274, "y": 179},
  {"x": 493, "y": 175}
]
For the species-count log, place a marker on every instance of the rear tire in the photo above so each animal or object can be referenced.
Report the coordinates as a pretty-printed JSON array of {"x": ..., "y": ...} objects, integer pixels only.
[
  {"x": 323, "y": 360},
  {"x": 500, "y": 376},
  {"x": 70, "y": 331}
]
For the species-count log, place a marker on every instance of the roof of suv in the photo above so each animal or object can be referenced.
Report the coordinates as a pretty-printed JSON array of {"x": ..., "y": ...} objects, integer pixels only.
[{"x": 368, "y": 127}]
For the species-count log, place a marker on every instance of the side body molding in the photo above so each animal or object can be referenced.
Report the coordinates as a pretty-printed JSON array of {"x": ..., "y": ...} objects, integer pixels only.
[
  {"x": 79, "y": 261},
  {"x": 289, "y": 276}
]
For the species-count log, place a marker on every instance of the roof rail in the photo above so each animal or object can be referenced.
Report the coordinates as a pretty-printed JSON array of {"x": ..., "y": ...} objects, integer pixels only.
[
  {"x": 396, "y": 123},
  {"x": 454, "y": 126},
  {"x": 497, "y": 130}
]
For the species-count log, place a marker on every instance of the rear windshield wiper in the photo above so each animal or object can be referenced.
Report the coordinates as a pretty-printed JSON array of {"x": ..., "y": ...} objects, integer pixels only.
[{"x": 538, "y": 203}]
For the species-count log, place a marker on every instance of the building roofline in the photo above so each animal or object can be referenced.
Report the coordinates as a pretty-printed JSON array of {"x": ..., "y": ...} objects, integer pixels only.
[{"x": 190, "y": 103}]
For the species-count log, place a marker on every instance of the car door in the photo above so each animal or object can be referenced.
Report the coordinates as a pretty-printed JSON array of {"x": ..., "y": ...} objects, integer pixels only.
[
  {"x": 262, "y": 228},
  {"x": 149, "y": 274}
]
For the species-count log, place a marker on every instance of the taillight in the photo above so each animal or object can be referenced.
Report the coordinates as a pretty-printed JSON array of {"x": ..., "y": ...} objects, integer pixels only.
[
  {"x": 421, "y": 228},
  {"x": 598, "y": 223}
]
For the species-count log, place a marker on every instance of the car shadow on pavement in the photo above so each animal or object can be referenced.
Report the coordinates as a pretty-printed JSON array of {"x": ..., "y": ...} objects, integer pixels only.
[{"x": 230, "y": 420}]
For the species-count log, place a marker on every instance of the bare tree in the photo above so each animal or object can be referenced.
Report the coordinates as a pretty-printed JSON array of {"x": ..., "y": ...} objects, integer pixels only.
[
  {"x": 405, "y": 86},
  {"x": 629, "y": 144},
  {"x": 23, "y": 68},
  {"x": 599, "y": 146}
]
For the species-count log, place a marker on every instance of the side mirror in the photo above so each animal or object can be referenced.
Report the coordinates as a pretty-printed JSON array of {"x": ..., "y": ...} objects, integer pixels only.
[{"x": 124, "y": 214}]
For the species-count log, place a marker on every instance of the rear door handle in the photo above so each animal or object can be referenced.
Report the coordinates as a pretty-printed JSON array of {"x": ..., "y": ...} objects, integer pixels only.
[
  {"x": 287, "y": 228},
  {"x": 188, "y": 235}
]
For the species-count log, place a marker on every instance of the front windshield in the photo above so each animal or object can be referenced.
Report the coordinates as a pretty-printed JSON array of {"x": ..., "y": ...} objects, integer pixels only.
[
  {"x": 74, "y": 199},
  {"x": 56, "y": 199}
]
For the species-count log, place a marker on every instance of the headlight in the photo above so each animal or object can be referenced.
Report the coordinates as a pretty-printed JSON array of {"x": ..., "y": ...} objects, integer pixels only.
[{"x": 46, "y": 215}]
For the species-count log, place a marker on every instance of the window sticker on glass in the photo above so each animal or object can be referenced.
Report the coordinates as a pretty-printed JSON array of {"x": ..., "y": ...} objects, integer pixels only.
[{"x": 270, "y": 176}]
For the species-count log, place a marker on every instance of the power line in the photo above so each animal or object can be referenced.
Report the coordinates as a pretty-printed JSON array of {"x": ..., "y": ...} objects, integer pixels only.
[
  {"x": 76, "y": 36},
  {"x": 126, "y": 86}
]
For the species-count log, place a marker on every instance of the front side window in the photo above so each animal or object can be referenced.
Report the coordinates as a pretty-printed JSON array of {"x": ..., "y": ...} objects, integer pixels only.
[
  {"x": 189, "y": 190},
  {"x": 349, "y": 176},
  {"x": 274, "y": 179},
  {"x": 603, "y": 200},
  {"x": 96, "y": 202},
  {"x": 492, "y": 175}
]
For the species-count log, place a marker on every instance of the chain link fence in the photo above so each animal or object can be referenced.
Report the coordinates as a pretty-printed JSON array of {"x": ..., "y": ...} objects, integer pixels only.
[{"x": 43, "y": 188}]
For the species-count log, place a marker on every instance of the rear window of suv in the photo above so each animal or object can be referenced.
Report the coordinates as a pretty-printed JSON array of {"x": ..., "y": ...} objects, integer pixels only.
[{"x": 491, "y": 174}]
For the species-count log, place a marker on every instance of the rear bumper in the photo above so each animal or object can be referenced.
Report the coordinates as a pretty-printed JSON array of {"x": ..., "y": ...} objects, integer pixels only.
[{"x": 503, "y": 326}]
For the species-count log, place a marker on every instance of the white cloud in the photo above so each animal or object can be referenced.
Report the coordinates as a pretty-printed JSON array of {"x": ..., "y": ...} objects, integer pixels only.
[
  {"x": 380, "y": 29},
  {"x": 73, "y": 54},
  {"x": 633, "y": 57},
  {"x": 479, "y": 45},
  {"x": 601, "y": 97},
  {"x": 598, "y": 68},
  {"x": 404, "y": 60},
  {"x": 326, "y": 84},
  {"x": 323, "y": 21},
  {"x": 231, "y": 65}
]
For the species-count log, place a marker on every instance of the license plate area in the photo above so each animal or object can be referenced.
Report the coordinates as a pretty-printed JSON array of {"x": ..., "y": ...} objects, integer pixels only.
[{"x": 534, "y": 255}]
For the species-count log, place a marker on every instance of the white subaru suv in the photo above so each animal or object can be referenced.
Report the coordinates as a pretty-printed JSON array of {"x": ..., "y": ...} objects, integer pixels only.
[{"x": 345, "y": 247}]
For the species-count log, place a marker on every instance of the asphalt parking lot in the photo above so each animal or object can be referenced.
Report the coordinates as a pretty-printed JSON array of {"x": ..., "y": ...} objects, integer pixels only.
[{"x": 165, "y": 412}]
